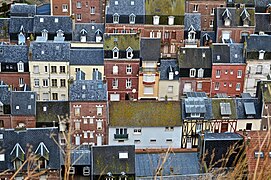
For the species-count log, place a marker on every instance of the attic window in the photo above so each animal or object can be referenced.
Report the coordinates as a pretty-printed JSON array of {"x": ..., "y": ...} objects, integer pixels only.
[
  {"x": 44, "y": 108},
  {"x": 115, "y": 53},
  {"x": 115, "y": 18},
  {"x": 86, "y": 171},
  {"x": 200, "y": 73},
  {"x": 29, "y": 107},
  {"x": 171, "y": 20},
  {"x": 83, "y": 87},
  {"x": 203, "y": 55},
  {"x": 2, "y": 157},
  {"x": 56, "y": 20},
  {"x": 258, "y": 154},
  {"x": 41, "y": 19},
  {"x": 17, "y": 107},
  {"x": 261, "y": 54},
  {"x": 218, "y": 57},
  {"x": 123, "y": 155},
  {"x": 129, "y": 53},
  {"x": 132, "y": 2},
  {"x": 132, "y": 19},
  {"x": 116, "y": 3},
  {"x": 156, "y": 20}
]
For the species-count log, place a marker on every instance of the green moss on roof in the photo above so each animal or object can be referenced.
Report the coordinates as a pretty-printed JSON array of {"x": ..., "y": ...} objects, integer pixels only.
[
  {"x": 217, "y": 111},
  {"x": 266, "y": 91},
  {"x": 165, "y": 7},
  {"x": 145, "y": 114},
  {"x": 251, "y": 12},
  {"x": 121, "y": 41}
]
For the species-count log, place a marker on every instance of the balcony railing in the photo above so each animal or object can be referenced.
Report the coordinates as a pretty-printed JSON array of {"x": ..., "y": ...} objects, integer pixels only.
[{"x": 120, "y": 136}]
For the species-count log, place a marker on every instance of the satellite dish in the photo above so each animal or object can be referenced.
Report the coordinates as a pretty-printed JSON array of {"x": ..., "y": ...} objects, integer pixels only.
[{"x": 176, "y": 72}]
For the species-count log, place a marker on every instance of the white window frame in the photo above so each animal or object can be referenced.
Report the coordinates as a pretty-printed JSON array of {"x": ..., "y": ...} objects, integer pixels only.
[
  {"x": 217, "y": 84},
  {"x": 36, "y": 69},
  {"x": 99, "y": 110},
  {"x": 45, "y": 83},
  {"x": 64, "y": 7},
  {"x": 20, "y": 66},
  {"x": 115, "y": 69},
  {"x": 238, "y": 86},
  {"x": 128, "y": 83},
  {"x": 171, "y": 20},
  {"x": 259, "y": 69},
  {"x": 239, "y": 74},
  {"x": 132, "y": 19},
  {"x": 156, "y": 20},
  {"x": 79, "y": 17},
  {"x": 115, "y": 50},
  {"x": 195, "y": 8},
  {"x": 218, "y": 73},
  {"x": 116, "y": 18},
  {"x": 199, "y": 85},
  {"x": 78, "y": 5},
  {"x": 129, "y": 53},
  {"x": 195, "y": 115},
  {"x": 99, "y": 124},
  {"x": 261, "y": 54},
  {"x": 115, "y": 83},
  {"x": 192, "y": 72},
  {"x": 129, "y": 69},
  {"x": 200, "y": 73},
  {"x": 92, "y": 10}
]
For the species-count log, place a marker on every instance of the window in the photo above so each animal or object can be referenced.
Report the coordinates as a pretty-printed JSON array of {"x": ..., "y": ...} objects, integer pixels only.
[
  {"x": 77, "y": 125},
  {"x": 121, "y": 131},
  {"x": 199, "y": 85},
  {"x": 170, "y": 89},
  {"x": 115, "y": 83},
  {"x": 248, "y": 126},
  {"x": 152, "y": 140},
  {"x": 77, "y": 69},
  {"x": 226, "y": 71},
  {"x": 21, "y": 81},
  {"x": 128, "y": 83},
  {"x": 62, "y": 69},
  {"x": 218, "y": 57},
  {"x": 169, "y": 140},
  {"x": 17, "y": 107},
  {"x": 54, "y": 82},
  {"x": 99, "y": 125},
  {"x": 212, "y": 11},
  {"x": 166, "y": 35},
  {"x": 116, "y": 18},
  {"x": 128, "y": 69},
  {"x": 123, "y": 155},
  {"x": 77, "y": 111},
  {"x": 217, "y": 74},
  {"x": 132, "y": 2},
  {"x": 29, "y": 107},
  {"x": 169, "y": 128},
  {"x": 55, "y": 96},
  {"x": 200, "y": 73},
  {"x": 78, "y": 17},
  {"x": 46, "y": 69},
  {"x": 195, "y": 115},
  {"x": 129, "y": 53},
  {"x": 258, "y": 154},
  {"x": 156, "y": 20},
  {"x": 116, "y": 2},
  {"x": 115, "y": 69},
  {"x": 259, "y": 69},
  {"x": 56, "y": 20},
  {"x": 85, "y": 134},
  {"x": 225, "y": 84},
  {"x": 261, "y": 54},
  {"x": 170, "y": 20},
  {"x": 149, "y": 78},
  {"x": 137, "y": 141},
  {"x": 78, "y": 4},
  {"x": 45, "y": 82},
  {"x": 158, "y": 34},
  {"x": 211, "y": 23},
  {"x": 217, "y": 85},
  {"x": 20, "y": 66},
  {"x": 151, "y": 34},
  {"x": 192, "y": 72},
  {"x": 86, "y": 171},
  {"x": 36, "y": 69},
  {"x": 41, "y": 19},
  {"x": 132, "y": 19},
  {"x": 99, "y": 111},
  {"x": 92, "y": 10},
  {"x": 239, "y": 73},
  {"x": 231, "y": 72},
  {"x": 173, "y": 35},
  {"x": 238, "y": 86},
  {"x": 53, "y": 69},
  {"x": 196, "y": 8},
  {"x": 230, "y": 84},
  {"x": 115, "y": 53},
  {"x": 148, "y": 90},
  {"x": 137, "y": 131},
  {"x": 62, "y": 83},
  {"x": 64, "y": 7}
]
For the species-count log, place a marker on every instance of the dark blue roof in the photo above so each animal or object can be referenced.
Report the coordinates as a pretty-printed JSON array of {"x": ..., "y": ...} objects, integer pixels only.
[
  {"x": 49, "y": 23},
  {"x": 15, "y": 24},
  {"x": 241, "y": 113},
  {"x": 14, "y": 53},
  {"x": 91, "y": 28},
  {"x": 236, "y": 53},
  {"x": 44, "y": 9},
  {"x": 181, "y": 163},
  {"x": 255, "y": 43},
  {"x": 166, "y": 66},
  {"x": 25, "y": 100},
  {"x": 124, "y": 7},
  {"x": 33, "y": 137},
  {"x": 20, "y": 9},
  {"x": 87, "y": 56},
  {"x": 88, "y": 90},
  {"x": 50, "y": 51},
  {"x": 193, "y": 19},
  {"x": 5, "y": 94},
  {"x": 150, "y": 49},
  {"x": 211, "y": 35}
]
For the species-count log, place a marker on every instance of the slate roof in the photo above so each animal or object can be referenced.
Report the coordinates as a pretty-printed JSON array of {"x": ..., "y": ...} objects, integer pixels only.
[
  {"x": 93, "y": 90},
  {"x": 21, "y": 9},
  {"x": 86, "y": 56},
  {"x": 122, "y": 41},
  {"x": 150, "y": 49},
  {"x": 64, "y": 23},
  {"x": 91, "y": 29},
  {"x": 193, "y": 57},
  {"x": 211, "y": 35},
  {"x": 193, "y": 19},
  {"x": 5, "y": 94},
  {"x": 241, "y": 113},
  {"x": 23, "y": 99},
  {"x": 50, "y": 51},
  {"x": 217, "y": 109},
  {"x": 139, "y": 114},
  {"x": 255, "y": 43},
  {"x": 4, "y": 25},
  {"x": 147, "y": 164},
  {"x": 166, "y": 66},
  {"x": 15, "y": 24},
  {"x": 222, "y": 136},
  {"x": 53, "y": 109},
  {"x": 33, "y": 137},
  {"x": 124, "y": 7},
  {"x": 262, "y": 22},
  {"x": 101, "y": 155},
  {"x": 235, "y": 16},
  {"x": 165, "y": 7},
  {"x": 14, "y": 53},
  {"x": 237, "y": 49}
]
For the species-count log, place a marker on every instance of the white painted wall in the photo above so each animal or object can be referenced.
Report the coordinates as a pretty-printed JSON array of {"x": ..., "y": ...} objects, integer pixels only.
[{"x": 256, "y": 124}]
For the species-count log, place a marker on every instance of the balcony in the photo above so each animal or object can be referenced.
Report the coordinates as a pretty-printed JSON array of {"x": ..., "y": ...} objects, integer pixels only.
[{"x": 120, "y": 136}]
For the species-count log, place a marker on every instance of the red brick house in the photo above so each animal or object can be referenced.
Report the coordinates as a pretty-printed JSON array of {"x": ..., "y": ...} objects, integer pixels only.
[
  {"x": 61, "y": 7},
  {"x": 228, "y": 69},
  {"x": 121, "y": 64}
]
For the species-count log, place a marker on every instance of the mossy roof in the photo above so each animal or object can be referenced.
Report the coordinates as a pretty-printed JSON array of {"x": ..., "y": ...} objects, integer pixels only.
[
  {"x": 266, "y": 91},
  {"x": 145, "y": 114},
  {"x": 217, "y": 111},
  {"x": 165, "y": 7},
  {"x": 121, "y": 41}
]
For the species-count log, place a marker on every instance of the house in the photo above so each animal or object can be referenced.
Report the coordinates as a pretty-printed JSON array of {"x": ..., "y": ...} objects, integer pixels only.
[
  {"x": 148, "y": 85},
  {"x": 135, "y": 123},
  {"x": 49, "y": 112},
  {"x": 88, "y": 112},
  {"x": 196, "y": 117},
  {"x": 234, "y": 24},
  {"x": 14, "y": 66},
  {"x": 192, "y": 29},
  {"x": 169, "y": 80},
  {"x": 49, "y": 69},
  {"x": 88, "y": 60},
  {"x": 89, "y": 11},
  {"x": 88, "y": 33},
  {"x": 23, "y": 109},
  {"x": 228, "y": 69},
  {"x": 50, "y": 26},
  {"x": 5, "y": 111},
  {"x": 206, "y": 9},
  {"x": 20, "y": 146},
  {"x": 195, "y": 69},
  {"x": 248, "y": 113},
  {"x": 121, "y": 65},
  {"x": 258, "y": 61},
  {"x": 121, "y": 158},
  {"x": 61, "y": 7}
]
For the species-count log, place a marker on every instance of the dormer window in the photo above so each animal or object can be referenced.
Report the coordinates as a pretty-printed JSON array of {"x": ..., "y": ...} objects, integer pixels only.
[
  {"x": 129, "y": 53},
  {"x": 116, "y": 18},
  {"x": 192, "y": 72},
  {"x": 191, "y": 33},
  {"x": 42, "y": 19},
  {"x": 171, "y": 20},
  {"x": 44, "y": 34},
  {"x": 43, "y": 156},
  {"x": 200, "y": 73},
  {"x": 1, "y": 108},
  {"x": 156, "y": 20},
  {"x": 115, "y": 53},
  {"x": 83, "y": 37},
  {"x": 98, "y": 36},
  {"x": 17, "y": 156},
  {"x": 170, "y": 73},
  {"x": 245, "y": 17},
  {"x": 132, "y": 19},
  {"x": 60, "y": 33},
  {"x": 227, "y": 17},
  {"x": 56, "y": 20},
  {"x": 21, "y": 39},
  {"x": 20, "y": 66},
  {"x": 261, "y": 54}
]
